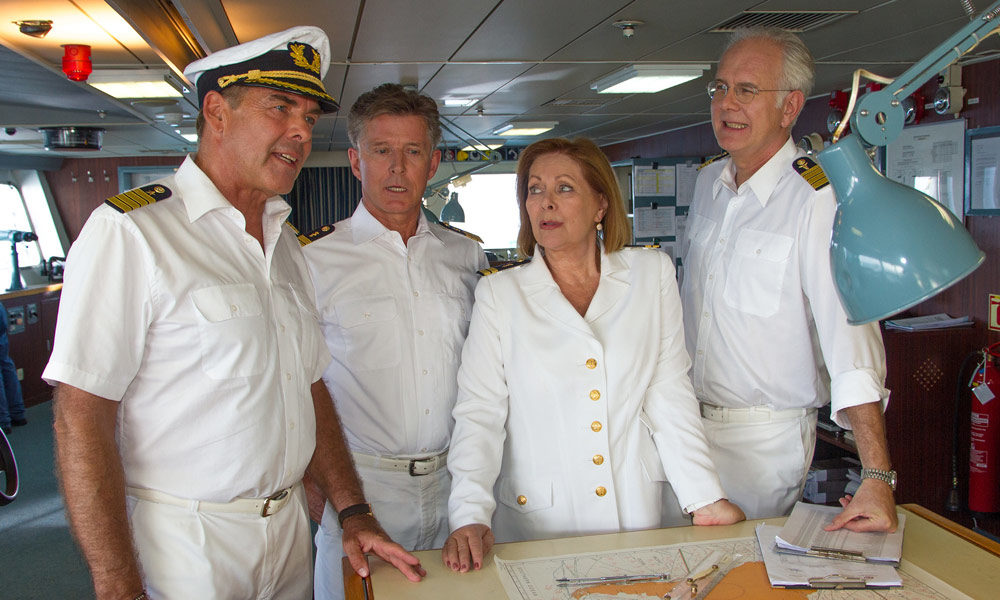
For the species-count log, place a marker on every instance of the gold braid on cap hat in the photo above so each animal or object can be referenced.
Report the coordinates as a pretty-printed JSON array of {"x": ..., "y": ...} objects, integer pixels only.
[
  {"x": 298, "y": 52},
  {"x": 255, "y": 76}
]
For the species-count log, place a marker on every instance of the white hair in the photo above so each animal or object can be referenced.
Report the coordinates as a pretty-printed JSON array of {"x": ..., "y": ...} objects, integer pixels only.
[{"x": 798, "y": 68}]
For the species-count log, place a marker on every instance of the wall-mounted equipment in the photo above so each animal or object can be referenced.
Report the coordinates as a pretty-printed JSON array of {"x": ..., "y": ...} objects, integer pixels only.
[
  {"x": 913, "y": 108},
  {"x": 13, "y": 236},
  {"x": 838, "y": 107},
  {"x": 950, "y": 95}
]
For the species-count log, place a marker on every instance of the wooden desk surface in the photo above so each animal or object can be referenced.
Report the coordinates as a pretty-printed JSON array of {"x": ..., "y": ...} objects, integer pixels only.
[{"x": 957, "y": 556}]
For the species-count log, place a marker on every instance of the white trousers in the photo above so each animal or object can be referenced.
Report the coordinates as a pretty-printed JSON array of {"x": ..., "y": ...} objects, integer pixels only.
[
  {"x": 763, "y": 465},
  {"x": 412, "y": 510},
  {"x": 186, "y": 554}
]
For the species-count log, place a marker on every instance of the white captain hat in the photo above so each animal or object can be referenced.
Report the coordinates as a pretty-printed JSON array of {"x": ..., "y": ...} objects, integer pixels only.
[{"x": 294, "y": 60}]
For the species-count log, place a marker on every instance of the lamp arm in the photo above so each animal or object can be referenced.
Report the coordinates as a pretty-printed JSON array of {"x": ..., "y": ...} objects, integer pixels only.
[{"x": 878, "y": 118}]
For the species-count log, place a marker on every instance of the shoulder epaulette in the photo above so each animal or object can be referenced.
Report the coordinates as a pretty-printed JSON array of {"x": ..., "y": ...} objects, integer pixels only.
[
  {"x": 712, "y": 159},
  {"x": 643, "y": 246},
  {"x": 315, "y": 234},
  {"x": 811, "y": 172},
  {"x": 139, "y": 197},
  {"x": 504, "y": 266},
  {"x": 471, "y": 236}
]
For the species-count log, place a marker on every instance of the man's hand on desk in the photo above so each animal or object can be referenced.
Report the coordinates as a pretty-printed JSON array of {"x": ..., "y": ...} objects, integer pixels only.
[
  {"x": 720, "y": 512},
  {"x": 872, "y": 508},
  {"x": 466, "y": 546},
  {"x": 362, "y": 533}
]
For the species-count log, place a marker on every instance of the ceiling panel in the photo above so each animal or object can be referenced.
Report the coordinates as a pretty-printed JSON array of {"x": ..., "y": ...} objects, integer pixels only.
[
  {"x": 532, "y": 30},
  {"x": 392, "y": 30}
]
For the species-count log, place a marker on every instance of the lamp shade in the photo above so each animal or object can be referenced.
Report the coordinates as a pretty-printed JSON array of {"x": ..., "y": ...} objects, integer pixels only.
[
  {"x": 892, "y": 246},
  {"x": 452, "y": 211}
]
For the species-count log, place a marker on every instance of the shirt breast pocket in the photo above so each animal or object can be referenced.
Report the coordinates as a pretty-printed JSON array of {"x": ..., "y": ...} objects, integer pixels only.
[
  {"x": 757, "y": 272},
  {"x": 370, "y": 326},
  {"x": 232, "y": 335}
]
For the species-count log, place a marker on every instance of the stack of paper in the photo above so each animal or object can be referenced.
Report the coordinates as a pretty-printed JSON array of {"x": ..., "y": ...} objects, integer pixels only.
[
  {"x": 803, "y": 533},
  {"x": 938, "y": 321}
]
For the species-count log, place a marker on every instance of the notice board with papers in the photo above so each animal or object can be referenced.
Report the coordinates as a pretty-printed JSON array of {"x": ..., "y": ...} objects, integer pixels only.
[{"x": 661, "y": 190}]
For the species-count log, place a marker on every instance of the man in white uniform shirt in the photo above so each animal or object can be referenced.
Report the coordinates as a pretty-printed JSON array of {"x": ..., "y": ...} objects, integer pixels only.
[
  {"x": 188, "y": 357},
  {"x": 765, "y": 329},
  {"x": 395, "y": 295}
]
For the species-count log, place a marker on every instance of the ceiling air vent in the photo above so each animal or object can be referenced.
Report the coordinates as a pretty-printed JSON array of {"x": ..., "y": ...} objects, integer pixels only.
[
  {"x": 796, "y": 21},
  {"x": 71, "y": 138}
]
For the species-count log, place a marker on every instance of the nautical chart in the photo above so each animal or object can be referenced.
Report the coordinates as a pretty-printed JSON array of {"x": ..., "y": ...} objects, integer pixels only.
[{"x": 740, "y": 575}]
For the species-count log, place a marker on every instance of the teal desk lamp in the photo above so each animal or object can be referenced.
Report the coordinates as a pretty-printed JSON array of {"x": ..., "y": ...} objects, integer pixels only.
[{"x": 892, "y": 246}]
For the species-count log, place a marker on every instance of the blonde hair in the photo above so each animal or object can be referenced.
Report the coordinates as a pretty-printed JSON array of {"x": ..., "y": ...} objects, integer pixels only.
[{"x": 599, "y": 175}]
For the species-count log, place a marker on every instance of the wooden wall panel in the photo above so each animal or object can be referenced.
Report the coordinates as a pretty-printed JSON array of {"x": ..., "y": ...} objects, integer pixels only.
[{"x": 77, "y": 199}]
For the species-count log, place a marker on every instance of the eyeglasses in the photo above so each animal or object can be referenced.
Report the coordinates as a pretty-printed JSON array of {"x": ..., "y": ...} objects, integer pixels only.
[{"x": 743, "y": 92}]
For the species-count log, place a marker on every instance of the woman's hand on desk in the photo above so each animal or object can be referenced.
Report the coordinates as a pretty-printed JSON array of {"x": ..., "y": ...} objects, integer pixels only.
[
  {"x": 720, "y": 512},
  {"x": 466, "y": 546}
]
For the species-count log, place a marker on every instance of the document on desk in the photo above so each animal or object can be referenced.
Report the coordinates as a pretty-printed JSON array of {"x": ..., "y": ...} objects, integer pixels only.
[
  {"x": 803, "y": 533},
  {"x": 796, "y": 570}
]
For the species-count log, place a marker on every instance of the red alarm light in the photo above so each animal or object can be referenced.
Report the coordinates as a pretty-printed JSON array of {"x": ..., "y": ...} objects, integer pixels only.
[{"x": 76, "y": 62}]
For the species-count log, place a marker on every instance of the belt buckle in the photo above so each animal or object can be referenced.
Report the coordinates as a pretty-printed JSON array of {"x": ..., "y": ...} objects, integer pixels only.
[
  {"x": 267, "y": 503},
  {"x": 413, "y": 464}
]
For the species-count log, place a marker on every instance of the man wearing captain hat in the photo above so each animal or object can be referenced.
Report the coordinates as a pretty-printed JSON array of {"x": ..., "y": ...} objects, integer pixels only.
[{"x": 188, "y": 357}]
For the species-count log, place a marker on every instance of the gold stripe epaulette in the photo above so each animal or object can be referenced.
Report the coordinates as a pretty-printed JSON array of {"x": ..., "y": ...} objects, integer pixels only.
[
  {"x": 139, "y": 197},
  {"x": 712, "y": 159},
  {"x": 503, "y": 266},
  {"x": 471, "y": 236},
  {"x": 811, "y": 172},
  {"x": 315, "y": 234}
]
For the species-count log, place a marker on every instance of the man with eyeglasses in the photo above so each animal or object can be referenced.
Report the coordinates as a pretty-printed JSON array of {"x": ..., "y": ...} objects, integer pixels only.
[{"x": 768, "y": 338}]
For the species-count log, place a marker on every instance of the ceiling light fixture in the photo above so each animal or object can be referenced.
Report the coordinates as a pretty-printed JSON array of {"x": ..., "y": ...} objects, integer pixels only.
[
  {"x": 524, "y": 128},
  {"x": 134, "y": 83},
  {"x": 646, "y": 79},
  {"x": 484, "y": 146},
  {"x": 453, "y": 102}
]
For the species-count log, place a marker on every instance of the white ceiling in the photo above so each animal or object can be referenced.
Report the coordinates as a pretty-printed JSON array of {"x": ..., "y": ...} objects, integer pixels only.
[{"x": 518, "y": 57}]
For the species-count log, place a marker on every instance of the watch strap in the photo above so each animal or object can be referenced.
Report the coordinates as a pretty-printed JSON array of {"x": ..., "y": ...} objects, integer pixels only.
[{"x": 355, "y": 509}]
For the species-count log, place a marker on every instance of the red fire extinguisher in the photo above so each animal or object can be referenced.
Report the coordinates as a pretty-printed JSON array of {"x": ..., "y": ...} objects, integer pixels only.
[{"x": 984, "y": 442}]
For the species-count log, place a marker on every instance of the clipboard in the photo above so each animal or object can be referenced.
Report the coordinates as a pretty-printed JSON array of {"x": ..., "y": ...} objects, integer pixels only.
[{"x": 798, "y": 570}]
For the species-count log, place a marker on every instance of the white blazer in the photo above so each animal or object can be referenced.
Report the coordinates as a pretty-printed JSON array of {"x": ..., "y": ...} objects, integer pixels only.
[{"x": 557, "y": 414}]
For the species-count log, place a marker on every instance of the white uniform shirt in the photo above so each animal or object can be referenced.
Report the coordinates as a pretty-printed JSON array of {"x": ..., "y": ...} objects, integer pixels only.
[
  {"x": 579, "y": 420},
  {"x": 209, "y": 342},
  {"x": 394, "y": 317},
  {"x": 762, "y": 318}
]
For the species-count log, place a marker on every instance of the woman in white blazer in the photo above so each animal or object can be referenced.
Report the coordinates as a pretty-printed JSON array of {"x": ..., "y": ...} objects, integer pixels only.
[{"x": 574, "y": 405}]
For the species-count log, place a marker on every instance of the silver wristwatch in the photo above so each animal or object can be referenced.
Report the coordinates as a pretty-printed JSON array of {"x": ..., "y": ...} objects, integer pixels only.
[{"x": 886, "y": 476}]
